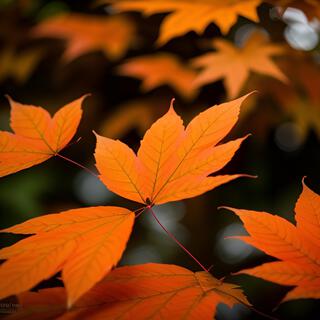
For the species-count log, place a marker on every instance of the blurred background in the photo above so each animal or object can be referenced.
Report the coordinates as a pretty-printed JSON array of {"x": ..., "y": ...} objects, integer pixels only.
[{"x": 52, "y": 52}]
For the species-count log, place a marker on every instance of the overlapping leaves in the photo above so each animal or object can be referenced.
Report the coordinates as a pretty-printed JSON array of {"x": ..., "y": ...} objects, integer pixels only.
[
  {"x": 82, "y": 243},
  {"x": 148, "y": 291},
  {"x": 172, "y": 164}
]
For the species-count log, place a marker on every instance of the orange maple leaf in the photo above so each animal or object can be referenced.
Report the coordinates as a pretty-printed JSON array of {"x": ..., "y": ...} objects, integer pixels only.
[
  {"x": 37, "y": 136},
  {"x": 234, "y": 64},
  {"x": 161, "y": 69},
  {"x": 113, "y": 35},
  {"x": 297, "y": 247},
  {"x": 82, "y": 243},
  {"x": 188, "y": 15},
  {"x": 147, "y": 291},
  {"x": 172, "y": 163}
]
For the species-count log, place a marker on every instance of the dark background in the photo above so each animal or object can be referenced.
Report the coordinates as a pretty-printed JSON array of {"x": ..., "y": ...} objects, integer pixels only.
[{"x": 277, "y": 152}]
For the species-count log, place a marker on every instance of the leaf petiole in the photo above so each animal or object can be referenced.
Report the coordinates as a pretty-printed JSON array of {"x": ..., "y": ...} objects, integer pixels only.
[
  {"x": 77, "y": 164},
  {"x": 176, "y": 240}
]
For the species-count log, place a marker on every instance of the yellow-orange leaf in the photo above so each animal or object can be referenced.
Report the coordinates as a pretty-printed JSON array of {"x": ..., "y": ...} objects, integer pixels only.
[
  {"x": 189, "y": 15},
  {"x": 18, "y": 66},
  {"x": 83, "y": 243},
  {"x": 162, "y": 69},
  {"x": 234, "y": 64},
  {"x": 148, "y": 291},
  {"x": 173, "y": 163},
  {"x": 113, "y": 35},
  {"x": 296, "y": 246},
  {"x": 37, "y": 136}
]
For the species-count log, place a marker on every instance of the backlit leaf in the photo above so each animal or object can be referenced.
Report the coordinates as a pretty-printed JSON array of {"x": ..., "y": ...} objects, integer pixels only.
[
  {"x": 162, "y": 69},
  {"x": 311, "y": 8},
  {"x": 189, "y": 15},
  {"x": 82, "y": 243},
  {"x": 234, "y": 64},
  {"x": 37, "y": 136},
  {"x": 147, "y": 291},
  {"x": 84, "y": 33},
  {"x": 172, "y": 163},
  {"x": 297, "y": 247}
]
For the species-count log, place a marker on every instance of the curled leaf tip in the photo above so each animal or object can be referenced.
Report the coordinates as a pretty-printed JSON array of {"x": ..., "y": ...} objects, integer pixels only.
[
  {"x": 250, "y": 176},
  {"x": 86, "y": 95},
  {"x": 172, "y": 104},
  {"x": 244, "y": 97},
  {"x": 225, "y": 207},
  {"x": 9, "y": 98}
]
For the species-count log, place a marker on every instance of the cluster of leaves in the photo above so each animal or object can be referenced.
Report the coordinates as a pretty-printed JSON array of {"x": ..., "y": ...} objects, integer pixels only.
[
  {"x": 114, "y": 35},
  {"x": 173, "y": 163}
]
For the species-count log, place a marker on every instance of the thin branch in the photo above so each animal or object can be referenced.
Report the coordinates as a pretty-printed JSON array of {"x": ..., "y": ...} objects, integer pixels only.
[
  {"x": 177, "y": 241},
  {"x": 77, "y": 164},
  {"x": 139, "y": 212},
  {"x": 205, "y": 269}
]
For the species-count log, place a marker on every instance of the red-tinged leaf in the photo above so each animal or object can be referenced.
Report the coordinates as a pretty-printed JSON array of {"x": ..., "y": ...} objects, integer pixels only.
[
  {"x": 149, "y": 291},
  {"x": 45, "y": 304}
]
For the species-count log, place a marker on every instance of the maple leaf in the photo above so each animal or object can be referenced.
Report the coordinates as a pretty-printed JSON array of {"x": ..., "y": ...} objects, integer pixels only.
[
  {"x": 189, "y": 15},
  {"x": 297, "y": 247},
  {"x": 113, "y": 35},
  {"x": 234, "y": 64},
  {"x": 37, "y": 136},
  {"x": 160, "y": 69},
  {"x": 172, "y": 163},
  {"x": 82, "y": 243},
  {"x": 147, "y": 291}
]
